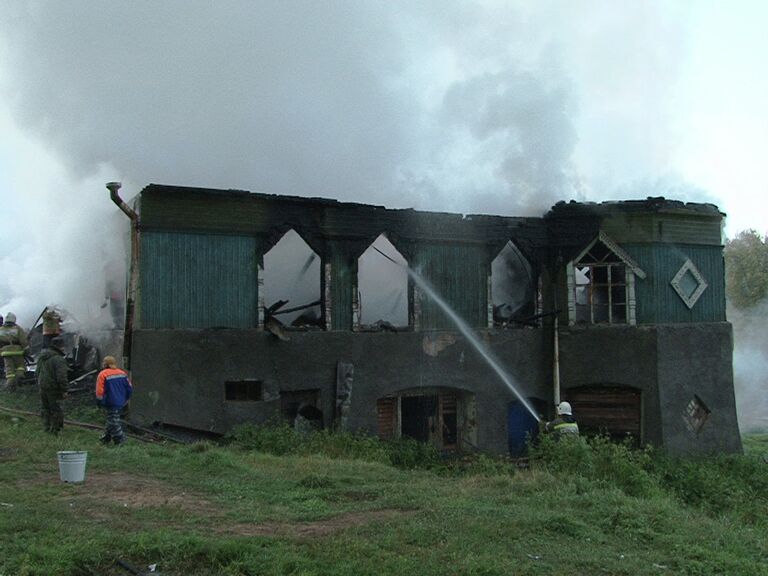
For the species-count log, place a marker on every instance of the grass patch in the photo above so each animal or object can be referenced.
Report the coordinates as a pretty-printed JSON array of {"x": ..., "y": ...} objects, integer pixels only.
[{"x": 272, "y": 503}]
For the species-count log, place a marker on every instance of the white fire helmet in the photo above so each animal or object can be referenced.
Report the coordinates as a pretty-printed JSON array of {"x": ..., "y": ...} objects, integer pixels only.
[
  {"x": 10, "y": 317},
  {"x": 564, "y": 408}
]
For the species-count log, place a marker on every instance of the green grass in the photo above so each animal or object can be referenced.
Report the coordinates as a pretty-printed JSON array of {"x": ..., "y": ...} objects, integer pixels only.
[{"x": 341, "y": 504}]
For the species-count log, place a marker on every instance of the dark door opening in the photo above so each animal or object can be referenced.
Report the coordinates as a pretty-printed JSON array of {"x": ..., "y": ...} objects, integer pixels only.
[
  {"x": 305, "y": 401},
  {"x": 418, "y": 417}
]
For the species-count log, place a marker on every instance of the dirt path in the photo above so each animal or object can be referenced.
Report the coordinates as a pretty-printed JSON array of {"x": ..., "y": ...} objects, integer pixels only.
[{"x": 96, "y": 497}]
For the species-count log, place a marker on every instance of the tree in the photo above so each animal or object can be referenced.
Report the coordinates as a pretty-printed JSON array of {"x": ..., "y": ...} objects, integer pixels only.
[{"x": 746, "y": 269}]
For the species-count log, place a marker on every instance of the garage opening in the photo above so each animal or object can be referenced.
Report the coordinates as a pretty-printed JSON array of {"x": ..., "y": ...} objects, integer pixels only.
[{"x": 611, "y": 410}]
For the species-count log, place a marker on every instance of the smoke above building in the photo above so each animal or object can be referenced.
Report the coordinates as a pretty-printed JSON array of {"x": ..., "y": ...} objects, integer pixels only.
[{"x": 489, "y": 107}]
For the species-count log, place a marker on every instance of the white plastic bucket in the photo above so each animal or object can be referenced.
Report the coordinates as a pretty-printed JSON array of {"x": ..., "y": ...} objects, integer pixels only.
[{"x": 72, "y": 465}]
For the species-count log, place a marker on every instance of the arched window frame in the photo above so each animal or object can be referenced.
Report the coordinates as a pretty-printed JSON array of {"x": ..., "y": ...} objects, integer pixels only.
[{"x": 631, "y": 270}]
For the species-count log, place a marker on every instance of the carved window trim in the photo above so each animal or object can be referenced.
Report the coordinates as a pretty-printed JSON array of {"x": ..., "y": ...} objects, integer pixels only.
[{"x": 632, "y": 269}]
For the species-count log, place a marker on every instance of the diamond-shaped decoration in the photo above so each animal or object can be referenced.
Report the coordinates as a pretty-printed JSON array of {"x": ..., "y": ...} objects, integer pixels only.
[{"x": 689, "y": 283}]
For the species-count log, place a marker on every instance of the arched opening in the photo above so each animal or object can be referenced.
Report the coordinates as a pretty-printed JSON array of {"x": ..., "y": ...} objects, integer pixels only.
[
  {"x": 382, "y": 282},
  {"x": 607, "y": 409},
  {"x": 292, "y": 294},
  {"x": 513, "y": 290}
]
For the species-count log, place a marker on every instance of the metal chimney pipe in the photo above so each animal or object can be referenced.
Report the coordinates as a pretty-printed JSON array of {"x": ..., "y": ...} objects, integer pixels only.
[
  {"x": 133, "y": 274},
  {"x": 114, "y": 188}
]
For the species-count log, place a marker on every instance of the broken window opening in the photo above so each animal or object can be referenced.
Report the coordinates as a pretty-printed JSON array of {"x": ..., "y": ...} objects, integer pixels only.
[
  {"x": 696, "y": 414},
  {"x": 243, "y": 391},
  {"x": 442, "y": 417},
  {"x": 292, "y": 294},
  {"x": 382, "y": 301},
  {"x": 513, "y": 289},
  {"x": 600, "y": 287}
]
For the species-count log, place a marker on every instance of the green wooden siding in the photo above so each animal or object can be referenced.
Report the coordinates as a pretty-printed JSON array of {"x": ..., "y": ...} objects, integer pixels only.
[
  {"x": 198, "y": 281},
  {"x": 342, "y": 276},
  {"x": 459, "y": 274},
  {"x": 663, "y": 229},
  {"x": 657, "y": 301}
]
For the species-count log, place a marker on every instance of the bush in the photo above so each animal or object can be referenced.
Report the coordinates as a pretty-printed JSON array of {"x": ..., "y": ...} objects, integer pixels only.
[
  {"x": 598, "y": 459},
  {"x": 718, "y": 484},
  {"x": 282, "y": 440}
]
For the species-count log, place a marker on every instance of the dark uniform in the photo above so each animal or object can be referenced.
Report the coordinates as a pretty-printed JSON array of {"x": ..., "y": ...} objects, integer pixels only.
[{"x": 52, "y": 378}]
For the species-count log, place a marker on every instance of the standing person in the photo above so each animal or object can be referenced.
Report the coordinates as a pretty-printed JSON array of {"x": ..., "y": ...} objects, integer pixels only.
[
  {"x": 13, "y": 341},
  {"x": 52, "y": 379},
  {"x": 565, "y": 424},
  {"x": 51, "y": 325},
  {"x": 113, "y": 390}
]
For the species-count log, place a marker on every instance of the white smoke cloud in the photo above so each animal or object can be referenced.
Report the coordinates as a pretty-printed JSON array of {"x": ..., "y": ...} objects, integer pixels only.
[
  {"x": 488, "y": 106},
  {"x": 749, "y": 361}
]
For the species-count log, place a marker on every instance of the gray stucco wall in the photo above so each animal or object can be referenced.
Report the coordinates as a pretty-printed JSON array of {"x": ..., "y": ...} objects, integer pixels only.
[
  {"x": 179, "y": 375},
  {"x": 697, "y": 360}
]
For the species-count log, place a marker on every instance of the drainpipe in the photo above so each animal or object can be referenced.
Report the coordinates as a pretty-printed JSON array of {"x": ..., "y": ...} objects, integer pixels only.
[
  {"x": 133, "y": 274},
  {"x": 556, "y": 365}
]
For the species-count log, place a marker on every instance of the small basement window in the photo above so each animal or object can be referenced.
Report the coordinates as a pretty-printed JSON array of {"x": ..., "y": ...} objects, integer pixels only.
[{"x": 243, "y": 391}]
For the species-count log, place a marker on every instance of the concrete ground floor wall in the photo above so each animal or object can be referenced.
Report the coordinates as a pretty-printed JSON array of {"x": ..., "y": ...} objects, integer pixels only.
[{"x": 180, "y": 376}]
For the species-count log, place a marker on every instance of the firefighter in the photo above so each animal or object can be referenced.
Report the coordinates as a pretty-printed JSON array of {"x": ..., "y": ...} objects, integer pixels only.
[
  {"x": 52, "y": 379},
  {"x": 13, "y": 341},
  {"x": 51, "y": 325},
  {"x": 565, "y": 424}
]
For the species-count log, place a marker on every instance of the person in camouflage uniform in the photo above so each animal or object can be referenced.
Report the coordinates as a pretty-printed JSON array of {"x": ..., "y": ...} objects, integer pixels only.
[
  {"x": 52, "y": 378},
  {"x": 51, "y": 325},
  {"x": 13, "y": 341}
]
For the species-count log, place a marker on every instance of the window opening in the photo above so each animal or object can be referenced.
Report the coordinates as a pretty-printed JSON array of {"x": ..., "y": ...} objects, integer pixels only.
[
  {"x": 600, "y": 284},
  {"x": 382, "y": 287},
  {"x": 243, "y": 391},
  {"x": 696, "y": 414},
  {"x": 513, "y": 290},
  {"x": 292, "y": 284},
  {"x": 443, "y": 418}
]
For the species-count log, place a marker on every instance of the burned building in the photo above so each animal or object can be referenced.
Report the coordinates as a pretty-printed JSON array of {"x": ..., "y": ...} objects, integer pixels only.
[{"x": 251, "y": 307}]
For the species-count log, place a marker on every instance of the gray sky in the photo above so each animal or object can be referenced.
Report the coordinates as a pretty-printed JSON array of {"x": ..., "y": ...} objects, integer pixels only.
[{"x": 500, "y": 107}]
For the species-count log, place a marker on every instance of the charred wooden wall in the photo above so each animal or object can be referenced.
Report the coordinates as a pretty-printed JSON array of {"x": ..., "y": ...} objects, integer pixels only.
[{"x": 199, "y": 314}]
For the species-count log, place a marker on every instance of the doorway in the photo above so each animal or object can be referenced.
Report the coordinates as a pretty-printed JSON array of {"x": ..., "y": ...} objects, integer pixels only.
[{"x": 418, "y": 417}]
